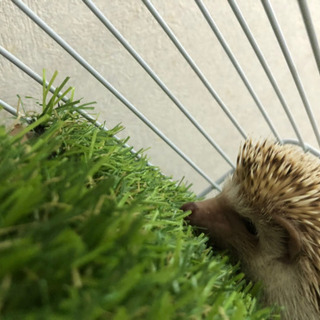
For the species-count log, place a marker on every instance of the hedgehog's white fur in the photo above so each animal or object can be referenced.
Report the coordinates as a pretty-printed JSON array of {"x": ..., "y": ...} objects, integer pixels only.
[{"x": 274, "y": 181}]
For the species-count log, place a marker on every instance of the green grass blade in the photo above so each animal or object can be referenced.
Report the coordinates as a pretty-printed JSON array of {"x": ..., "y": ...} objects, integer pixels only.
[{"x": 46, "y": 90}]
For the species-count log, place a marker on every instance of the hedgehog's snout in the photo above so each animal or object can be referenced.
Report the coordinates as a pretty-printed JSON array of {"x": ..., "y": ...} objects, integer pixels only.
[
  {"x": 190, "y": 206},
  {"x": 197, "y": 217}
]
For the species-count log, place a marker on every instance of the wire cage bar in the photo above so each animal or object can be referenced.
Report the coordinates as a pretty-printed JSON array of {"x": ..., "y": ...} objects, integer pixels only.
[
  {"x": 213, "y": 184},
  {"x": 310, "y": 30},
  {"x": 236, "y": 10},
  {"x": 284, "y": 47}
]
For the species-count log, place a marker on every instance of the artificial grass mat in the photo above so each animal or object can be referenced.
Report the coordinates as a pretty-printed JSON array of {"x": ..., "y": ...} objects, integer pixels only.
[{"x": 88, "y": 230}]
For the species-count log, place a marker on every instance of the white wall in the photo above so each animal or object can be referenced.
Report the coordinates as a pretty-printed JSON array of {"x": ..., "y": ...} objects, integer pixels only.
[{"x": 80, "y": 28}]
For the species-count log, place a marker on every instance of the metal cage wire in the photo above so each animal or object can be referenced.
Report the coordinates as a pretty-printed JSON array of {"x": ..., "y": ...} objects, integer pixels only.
[{"x": 305, "y": 14}]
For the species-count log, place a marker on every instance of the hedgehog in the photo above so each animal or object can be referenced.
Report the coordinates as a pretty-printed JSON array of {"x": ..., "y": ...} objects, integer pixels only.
[{"x": 268, "y": 217}]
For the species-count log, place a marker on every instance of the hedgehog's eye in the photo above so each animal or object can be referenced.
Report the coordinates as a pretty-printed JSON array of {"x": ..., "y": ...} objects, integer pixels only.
[{"x": 251, "y": 228}]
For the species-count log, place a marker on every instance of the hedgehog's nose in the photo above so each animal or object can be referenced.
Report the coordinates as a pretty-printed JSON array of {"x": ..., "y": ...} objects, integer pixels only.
[{"x": 190, "y": 206}]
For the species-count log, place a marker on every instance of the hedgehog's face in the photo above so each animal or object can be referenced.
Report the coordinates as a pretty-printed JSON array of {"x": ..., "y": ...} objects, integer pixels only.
[{"x": 246, "y": 234}]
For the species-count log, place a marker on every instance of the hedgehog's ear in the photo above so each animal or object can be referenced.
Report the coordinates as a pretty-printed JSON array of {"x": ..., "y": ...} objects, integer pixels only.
[{"x": 293, "y": 241}]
